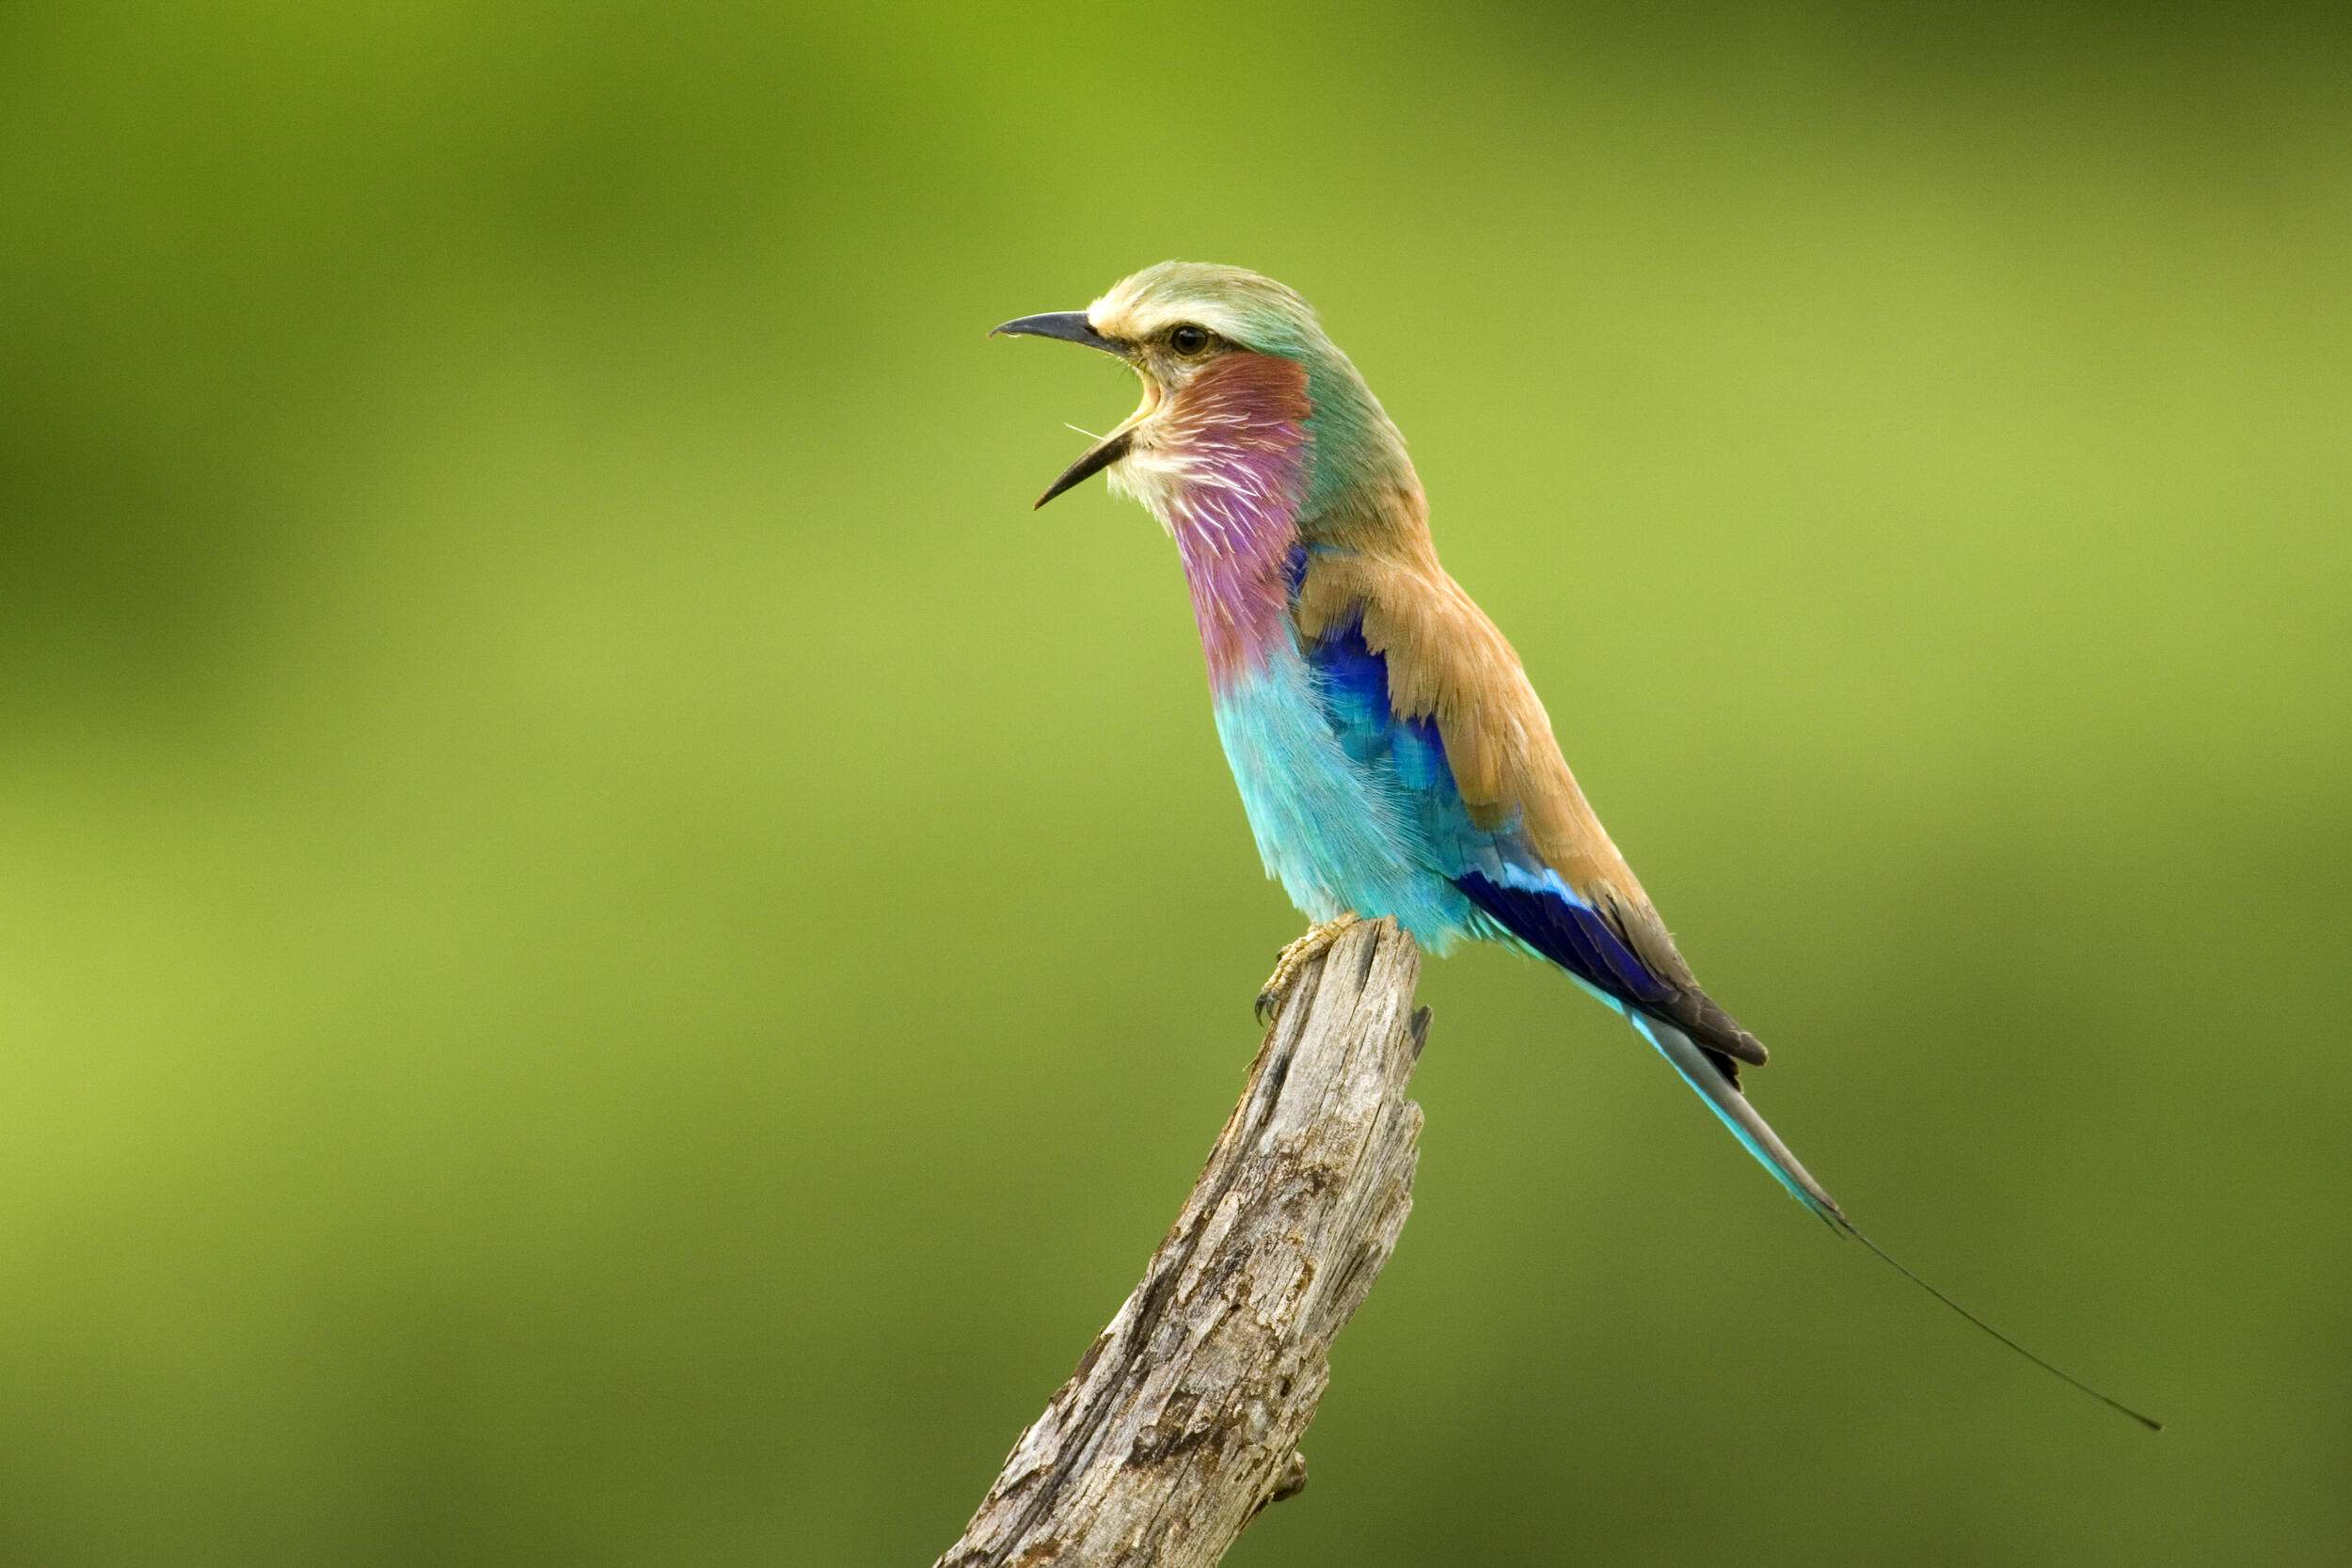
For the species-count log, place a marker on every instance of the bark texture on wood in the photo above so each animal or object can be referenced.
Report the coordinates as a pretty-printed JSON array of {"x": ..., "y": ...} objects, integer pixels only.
[{"x": 1184, "y": 1419}]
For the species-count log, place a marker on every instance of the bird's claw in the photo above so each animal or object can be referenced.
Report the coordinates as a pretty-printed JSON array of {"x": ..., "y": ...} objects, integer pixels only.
[{"x": 1295, "y": 957}]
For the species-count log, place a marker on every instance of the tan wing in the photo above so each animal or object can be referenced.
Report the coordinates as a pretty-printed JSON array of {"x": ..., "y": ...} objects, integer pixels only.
[{"x": 1448, "y": 662}]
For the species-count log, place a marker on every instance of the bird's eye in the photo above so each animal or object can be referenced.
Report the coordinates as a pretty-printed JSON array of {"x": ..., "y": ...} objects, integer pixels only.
[{"x": 1189, "y": 339}]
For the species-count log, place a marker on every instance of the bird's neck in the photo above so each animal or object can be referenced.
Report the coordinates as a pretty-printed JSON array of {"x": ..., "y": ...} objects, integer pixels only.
[{"x": 1247, "y": 469}]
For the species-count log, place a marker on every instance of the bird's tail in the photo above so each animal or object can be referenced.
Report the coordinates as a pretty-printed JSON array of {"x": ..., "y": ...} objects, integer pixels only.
[
  {"x": 1755, "y": 1133},
  {"x": 1757, "y": 1136}
]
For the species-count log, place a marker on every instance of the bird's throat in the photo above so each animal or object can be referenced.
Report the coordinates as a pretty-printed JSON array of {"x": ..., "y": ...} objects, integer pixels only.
[{"x": 1225, "y": 470}]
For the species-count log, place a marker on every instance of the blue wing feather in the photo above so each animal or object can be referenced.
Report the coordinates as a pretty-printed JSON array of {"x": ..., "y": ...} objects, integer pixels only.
[
  {"x": 1511, "y": 894},
  {"x": 1494, "y": 869},
  {"x": 1569, "y": 932}
]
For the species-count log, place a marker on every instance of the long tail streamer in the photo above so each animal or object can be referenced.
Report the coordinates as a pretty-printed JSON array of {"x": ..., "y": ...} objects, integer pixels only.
[{"x": 1757, "y": 1136}]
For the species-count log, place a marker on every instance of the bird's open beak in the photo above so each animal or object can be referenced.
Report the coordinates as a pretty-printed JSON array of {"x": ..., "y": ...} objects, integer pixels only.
[{"x": 1072, "y": 326}]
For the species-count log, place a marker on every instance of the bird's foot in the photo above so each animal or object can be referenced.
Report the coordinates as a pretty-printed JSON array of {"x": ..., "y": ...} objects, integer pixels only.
[{"x": 1297, "y": 956}]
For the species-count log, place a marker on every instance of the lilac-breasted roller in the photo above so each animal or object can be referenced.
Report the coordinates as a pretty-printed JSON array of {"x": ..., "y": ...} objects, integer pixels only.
[{"x": 1392, "y": 757}]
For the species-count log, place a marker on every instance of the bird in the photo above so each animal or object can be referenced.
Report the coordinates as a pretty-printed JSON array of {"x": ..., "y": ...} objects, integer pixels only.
[{"x": 1391, "y": 755}]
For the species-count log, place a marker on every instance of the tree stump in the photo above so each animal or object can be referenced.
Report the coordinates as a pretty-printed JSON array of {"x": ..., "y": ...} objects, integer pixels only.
[{"x": 1183, "y": 1420}]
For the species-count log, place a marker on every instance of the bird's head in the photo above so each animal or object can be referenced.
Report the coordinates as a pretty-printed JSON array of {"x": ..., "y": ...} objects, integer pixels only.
[{"x": 1240, "y": 384}]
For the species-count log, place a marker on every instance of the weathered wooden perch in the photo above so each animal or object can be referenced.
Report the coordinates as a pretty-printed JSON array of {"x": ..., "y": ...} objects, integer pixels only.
[{"x": 1183, "y": 1418}]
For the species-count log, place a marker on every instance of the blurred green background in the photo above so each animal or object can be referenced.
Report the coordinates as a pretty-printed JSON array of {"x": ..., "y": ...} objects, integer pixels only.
[{"x": 614, "y": 954}]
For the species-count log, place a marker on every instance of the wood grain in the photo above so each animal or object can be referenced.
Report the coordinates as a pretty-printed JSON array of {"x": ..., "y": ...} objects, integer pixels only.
[{"x": 1183, "y": 1418}]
